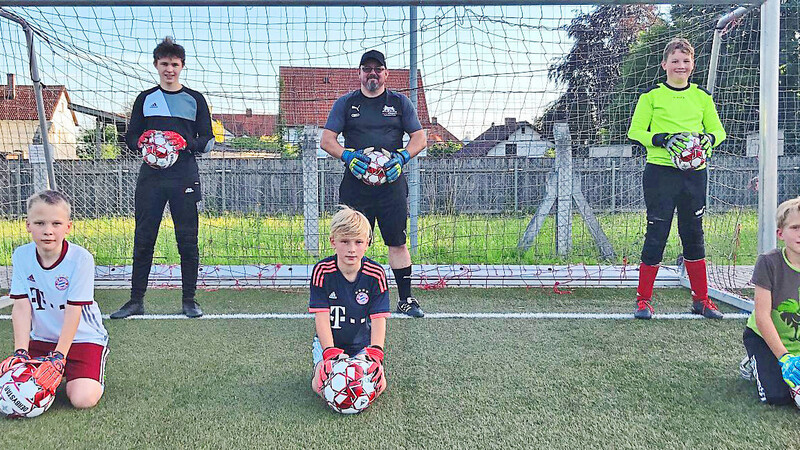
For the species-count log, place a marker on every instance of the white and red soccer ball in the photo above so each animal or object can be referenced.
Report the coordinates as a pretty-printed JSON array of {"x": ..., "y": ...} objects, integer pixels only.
[
  {"x": 158, "y": 152},
  {"x": 349, "y": 389},
  {"x": 376, "y": 173},
  {"x": 693, "y": 156},
  {"x": 20, "y": 395}
]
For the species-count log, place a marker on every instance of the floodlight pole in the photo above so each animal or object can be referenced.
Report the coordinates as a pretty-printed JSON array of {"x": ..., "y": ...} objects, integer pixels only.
[
  {"x": 768, "y": 125},
  {"x": 413, "y": 165},
  {"x": 37, "y": 89}
]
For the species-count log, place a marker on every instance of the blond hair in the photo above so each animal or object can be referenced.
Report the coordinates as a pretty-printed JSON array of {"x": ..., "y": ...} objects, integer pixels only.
[
  {"x": 347, "y": 222},
  {"x": 678, "y": 44},
  {"x": 50, "y": 197},
  {"x": 784, "y": 209}
]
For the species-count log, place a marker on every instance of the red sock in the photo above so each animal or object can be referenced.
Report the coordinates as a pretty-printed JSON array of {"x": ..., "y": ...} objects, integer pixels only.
[
  {"x": 697, "y": 278},
  {"x": 647, "y": 277}
]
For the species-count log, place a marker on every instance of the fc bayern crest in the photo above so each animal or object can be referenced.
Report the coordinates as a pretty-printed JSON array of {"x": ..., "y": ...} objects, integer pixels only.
[
  {"x": 362, "y": 298},
  {"x": 62, "y": 283}
]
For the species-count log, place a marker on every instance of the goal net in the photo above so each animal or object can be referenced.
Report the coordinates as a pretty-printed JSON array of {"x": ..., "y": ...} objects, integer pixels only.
[{"x": 528, "y": 178}]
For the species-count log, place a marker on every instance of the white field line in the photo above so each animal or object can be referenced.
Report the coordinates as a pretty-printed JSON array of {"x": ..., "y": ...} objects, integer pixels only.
[
  {"x": 5, "y": 301},
  {"x": 566, "y": 315}
]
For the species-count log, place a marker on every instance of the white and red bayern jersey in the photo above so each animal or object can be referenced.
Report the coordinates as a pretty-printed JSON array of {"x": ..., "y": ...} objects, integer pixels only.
[{"x": 70, "y": 281}]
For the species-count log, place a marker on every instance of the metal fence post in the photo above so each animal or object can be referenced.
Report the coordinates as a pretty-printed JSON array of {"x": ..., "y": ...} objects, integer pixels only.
[
  {"x": 564, "y": 197},
  {"x": 310, "y": 191}
]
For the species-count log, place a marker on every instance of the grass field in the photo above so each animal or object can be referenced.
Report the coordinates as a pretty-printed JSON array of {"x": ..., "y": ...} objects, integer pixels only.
[
  {"x": 457, "y": 239},
  {"x": 453, "y": 383}
]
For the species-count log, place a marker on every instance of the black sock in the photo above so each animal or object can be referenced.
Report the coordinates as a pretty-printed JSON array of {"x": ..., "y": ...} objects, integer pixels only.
[{"x": 403, "y": 279}]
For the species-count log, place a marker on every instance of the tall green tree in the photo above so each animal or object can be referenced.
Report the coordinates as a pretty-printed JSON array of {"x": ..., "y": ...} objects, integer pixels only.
[{"x": 591, "y": 70}]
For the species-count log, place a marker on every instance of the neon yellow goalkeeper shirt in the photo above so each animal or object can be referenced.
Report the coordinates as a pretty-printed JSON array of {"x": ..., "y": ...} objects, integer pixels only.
[{"x": 664, "y": 109}]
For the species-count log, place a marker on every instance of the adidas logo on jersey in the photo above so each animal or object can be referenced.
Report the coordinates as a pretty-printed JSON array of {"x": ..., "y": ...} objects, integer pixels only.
[
  {"x": 31, "y": 279},
  {"x": 332, "y": 296},
  {"x": 154, "y": 105}
]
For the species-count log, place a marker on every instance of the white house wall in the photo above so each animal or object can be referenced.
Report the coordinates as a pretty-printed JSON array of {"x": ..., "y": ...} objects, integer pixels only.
[{"x": 529, "y": 144}]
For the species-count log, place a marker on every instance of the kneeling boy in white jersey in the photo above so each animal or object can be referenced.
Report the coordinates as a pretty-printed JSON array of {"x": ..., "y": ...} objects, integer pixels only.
[{"x": 56, "y": 321}]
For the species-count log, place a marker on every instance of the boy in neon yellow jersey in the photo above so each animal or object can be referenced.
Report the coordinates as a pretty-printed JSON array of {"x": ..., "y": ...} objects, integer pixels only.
[
  {"x": 666, "y": 117},
  {"x": 770, "y": 336}
]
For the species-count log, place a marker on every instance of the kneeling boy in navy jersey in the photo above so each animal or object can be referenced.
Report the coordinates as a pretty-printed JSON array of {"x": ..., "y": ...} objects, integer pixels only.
[{"x": 349, "y": 299}]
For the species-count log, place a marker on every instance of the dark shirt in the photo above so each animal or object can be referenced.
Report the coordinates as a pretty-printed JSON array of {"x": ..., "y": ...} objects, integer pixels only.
[
  {"x": 351, "y": 304},
  {"x": 185, "y": 112}
]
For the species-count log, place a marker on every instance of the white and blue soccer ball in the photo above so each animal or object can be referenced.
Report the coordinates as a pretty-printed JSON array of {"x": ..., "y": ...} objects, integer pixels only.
[{"x": 20, "y": 395}]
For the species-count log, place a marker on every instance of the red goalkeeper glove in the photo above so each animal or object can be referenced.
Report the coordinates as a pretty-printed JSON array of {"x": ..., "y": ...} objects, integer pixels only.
[
  {"x": 374, "y": 355},
  {"x": 330, "y": 356},
  {"x": 51, "y": 369},
  {"x": 19, "y": 356},
  {"x": 176, "y": 140},
  {"x": 145, "y": 137}
]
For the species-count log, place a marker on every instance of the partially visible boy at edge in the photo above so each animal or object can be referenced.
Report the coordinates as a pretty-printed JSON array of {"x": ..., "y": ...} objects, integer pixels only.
[{"x": 771, "y": 334}]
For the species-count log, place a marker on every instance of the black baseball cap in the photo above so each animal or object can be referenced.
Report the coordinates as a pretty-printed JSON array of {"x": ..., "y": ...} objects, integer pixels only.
[{"x": 373, "y": 54}]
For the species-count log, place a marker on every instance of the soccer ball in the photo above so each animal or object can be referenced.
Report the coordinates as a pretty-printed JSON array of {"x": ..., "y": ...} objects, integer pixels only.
[
  {"x": 20, "y": 395},
  {"x": 348, "y": 389},
  {"x": 692, "y": 157},
  {"x": 158, "y": 152},
  {"x": 795, "y": 393},
  {"x": 376, "y": 173}
]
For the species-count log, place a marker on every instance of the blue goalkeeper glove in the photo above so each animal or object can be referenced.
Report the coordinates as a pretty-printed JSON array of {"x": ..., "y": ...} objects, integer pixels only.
[
  {"x": 790, "y": 369},
  {"x": 356, "y": 162},
  {"x": 394, "y": 167}
]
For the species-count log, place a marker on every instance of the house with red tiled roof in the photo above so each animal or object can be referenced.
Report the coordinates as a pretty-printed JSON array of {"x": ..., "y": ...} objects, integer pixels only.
[
  {"x": 249, "y": 124},
  {"x": 19, "y": 120},
  {"x": 308, "y": 93},
  {"x": 512, "y": 138}
]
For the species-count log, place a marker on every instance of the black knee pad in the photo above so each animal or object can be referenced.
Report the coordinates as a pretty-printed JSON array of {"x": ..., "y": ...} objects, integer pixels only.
[
  {"x": 655, "y": 239},
  {"x": 691, "y": 232}
]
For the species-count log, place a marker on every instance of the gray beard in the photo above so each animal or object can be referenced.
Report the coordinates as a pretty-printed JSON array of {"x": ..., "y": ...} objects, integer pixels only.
[{"x": 372, "y": 85}]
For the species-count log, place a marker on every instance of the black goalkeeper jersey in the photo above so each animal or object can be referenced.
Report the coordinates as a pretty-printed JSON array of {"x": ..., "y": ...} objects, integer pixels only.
[{"x": 185, "y": 112}]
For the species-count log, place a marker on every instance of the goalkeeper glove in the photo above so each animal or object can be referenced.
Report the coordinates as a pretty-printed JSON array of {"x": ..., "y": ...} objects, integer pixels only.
[
  {"x": 374, "y": 355},
  {"x": 394, "y": 167},
  {"x": 145, "y": 137},
  {"x": 19, "y": 356},
  {"x": 356, "y": 162},
  {"x": 176, "y": 140},
  {"x": 51, "y": 369},
  {"x": 706, "y": 141},
  {"x": 790, "y": 369},
  {"x": 330, "y": 356},
  {"x": 675, "y": 143}
]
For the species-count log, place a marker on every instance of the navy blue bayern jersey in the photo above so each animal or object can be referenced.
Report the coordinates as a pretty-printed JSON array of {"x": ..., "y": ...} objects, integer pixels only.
[{"x": 351, "y": 305}]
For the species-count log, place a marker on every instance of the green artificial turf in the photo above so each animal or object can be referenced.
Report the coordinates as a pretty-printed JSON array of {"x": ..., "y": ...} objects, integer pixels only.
[{"x": 453, "y": 383}]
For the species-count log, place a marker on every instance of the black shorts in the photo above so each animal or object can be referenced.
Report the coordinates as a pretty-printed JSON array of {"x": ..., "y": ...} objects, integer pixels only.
[
  {"x": 388, "y": 204},
  {"x": 769, "y": 379}
]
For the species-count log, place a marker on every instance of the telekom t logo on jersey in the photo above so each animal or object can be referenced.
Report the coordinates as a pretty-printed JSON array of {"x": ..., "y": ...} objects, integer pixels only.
[{"x": 337, "y": 316}]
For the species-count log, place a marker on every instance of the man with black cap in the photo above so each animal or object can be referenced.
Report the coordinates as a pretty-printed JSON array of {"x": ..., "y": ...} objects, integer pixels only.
[{"x": 374, "y": 116}]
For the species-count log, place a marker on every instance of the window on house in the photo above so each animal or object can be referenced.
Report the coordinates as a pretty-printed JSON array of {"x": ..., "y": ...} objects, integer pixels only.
[
  {"x": 523, "y": 130},
  {"x": 511, "y": 149}
]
